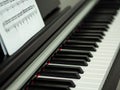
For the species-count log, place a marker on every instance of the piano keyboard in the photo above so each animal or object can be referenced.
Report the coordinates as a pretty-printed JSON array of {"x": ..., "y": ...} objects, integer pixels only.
[{"x": 84, "y": 59}]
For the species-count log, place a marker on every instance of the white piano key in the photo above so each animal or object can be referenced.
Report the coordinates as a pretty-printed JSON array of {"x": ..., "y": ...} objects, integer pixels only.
[{"x": 84, "y": 88}]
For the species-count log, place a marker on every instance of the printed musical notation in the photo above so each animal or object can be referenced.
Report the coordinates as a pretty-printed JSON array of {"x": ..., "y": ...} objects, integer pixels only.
[
  {"x": 25, "y": 19},
  {"x": 19, "y": 21},
  {"x": 16, "y": 4}
]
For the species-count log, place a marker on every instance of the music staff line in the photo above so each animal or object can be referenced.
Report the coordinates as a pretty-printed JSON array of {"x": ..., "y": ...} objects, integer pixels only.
[
  {"x": 21, "y": 13},
  {"x": 5, "y": 2},
  {"x": 12, "y": 6},
  {"x": 21, "y": 22}
]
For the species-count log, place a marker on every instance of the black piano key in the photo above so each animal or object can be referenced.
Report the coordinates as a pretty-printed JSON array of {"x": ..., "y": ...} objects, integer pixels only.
[
  {"x": 94, "y": 20},
  {"x": 86, "y": 38},
  {"x": 64, "y": 68},
  {"x": 71, "y": 56},
  {"x": 79, "y": 47},
  {"x": 100, "y": 16},
  {"x": 105, "y": 11},
  {"x": 78, "y": 42},
  {"x": 108, "y": 4},
  {"x": 76, "y": 52},
  {"x": 89, "y": 31},
  {"x": 88, "y": 35},
  {"x": 78, "y": 62},
  {"x": 108, "y": 21},
  {"x": 99, "y": 21},
  {"x": 95, "y": 24},
  {"x": 110, "y": 1},
  {"x": 63, "y": 74},
  {"x": 51, "y": 81},
  {"x": 47, "y": 87},
  {"x": 93, "y": 27}
]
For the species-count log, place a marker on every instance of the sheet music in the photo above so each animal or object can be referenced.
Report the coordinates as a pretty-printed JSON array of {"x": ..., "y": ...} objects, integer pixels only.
[{"x": 19, "y": 21}]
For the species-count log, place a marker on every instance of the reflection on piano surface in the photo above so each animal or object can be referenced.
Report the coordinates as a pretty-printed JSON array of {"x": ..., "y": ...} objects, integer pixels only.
[{"x": 78, "y": 54}]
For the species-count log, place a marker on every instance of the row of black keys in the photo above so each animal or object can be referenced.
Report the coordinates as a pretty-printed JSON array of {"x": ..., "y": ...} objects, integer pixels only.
[{"x": 76, "y": 50}]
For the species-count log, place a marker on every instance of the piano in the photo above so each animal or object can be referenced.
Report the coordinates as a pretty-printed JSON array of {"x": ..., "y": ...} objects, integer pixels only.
[{"x": 78, "y": 49}]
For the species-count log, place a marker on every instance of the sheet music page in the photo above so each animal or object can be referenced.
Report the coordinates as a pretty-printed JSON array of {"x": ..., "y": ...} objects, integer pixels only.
[{"x": 19, "y": 21}]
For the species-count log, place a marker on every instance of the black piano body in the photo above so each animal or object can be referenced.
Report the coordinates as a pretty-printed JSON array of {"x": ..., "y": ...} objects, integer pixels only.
[{"x": 55, "y": 20}]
